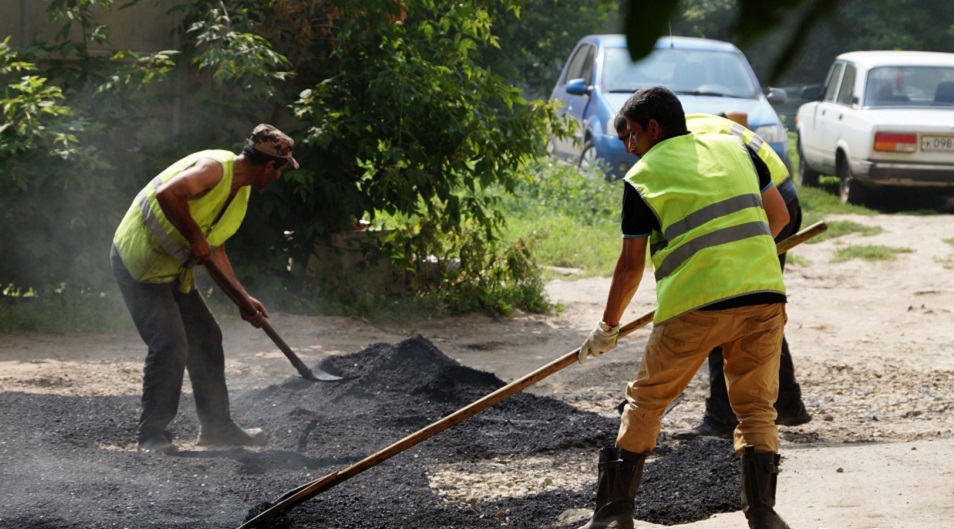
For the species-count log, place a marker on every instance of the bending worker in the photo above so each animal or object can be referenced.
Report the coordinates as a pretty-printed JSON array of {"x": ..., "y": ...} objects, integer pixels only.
[
  {"x": 708, "y": 220},
  {"x": 719, "y": 419},
  {"x": 181, "y": 218}
]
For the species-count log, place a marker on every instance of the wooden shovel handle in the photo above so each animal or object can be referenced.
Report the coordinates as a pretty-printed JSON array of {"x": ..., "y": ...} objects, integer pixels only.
[{"x": 313, "y": 488}]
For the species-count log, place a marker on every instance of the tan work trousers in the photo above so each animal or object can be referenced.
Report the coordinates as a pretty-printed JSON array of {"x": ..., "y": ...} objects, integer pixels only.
[{"x": 751, "y": 340}]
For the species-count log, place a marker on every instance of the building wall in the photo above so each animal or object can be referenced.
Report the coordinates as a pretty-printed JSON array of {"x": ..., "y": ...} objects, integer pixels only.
[{"x": 143, "y": 27}]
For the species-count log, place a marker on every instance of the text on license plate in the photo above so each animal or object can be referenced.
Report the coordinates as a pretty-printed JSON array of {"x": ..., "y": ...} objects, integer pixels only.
[{"x": 937, "y": 143}]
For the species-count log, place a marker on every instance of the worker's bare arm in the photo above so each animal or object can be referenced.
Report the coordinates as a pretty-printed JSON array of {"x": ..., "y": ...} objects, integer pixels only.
[
  {"x": 776, "y": 210},
  {"x": 174, "y": 196},
  {"x": 626, "y": 278}
]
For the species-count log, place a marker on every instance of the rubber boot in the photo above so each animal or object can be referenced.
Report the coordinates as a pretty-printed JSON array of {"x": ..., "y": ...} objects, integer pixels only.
[
  {"x": 789, "y": 406},
  {"x": 620, "y": 472},
  {"x": 759, "y": 479}
]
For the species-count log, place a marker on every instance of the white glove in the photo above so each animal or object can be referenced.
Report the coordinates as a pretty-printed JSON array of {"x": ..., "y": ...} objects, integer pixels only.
[{"x": 602, "y": 339}]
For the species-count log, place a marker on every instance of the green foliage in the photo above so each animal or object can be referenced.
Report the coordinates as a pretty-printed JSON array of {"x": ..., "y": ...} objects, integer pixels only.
[
  {"x": 61, "y": 313},
  {"x": 535, "y": 40},
  {"x": 838, "y": 228},
  {"x": 870, "y": 253},
  {"x": 394, "y": 117},
  {"x": 571, "y": 217}
]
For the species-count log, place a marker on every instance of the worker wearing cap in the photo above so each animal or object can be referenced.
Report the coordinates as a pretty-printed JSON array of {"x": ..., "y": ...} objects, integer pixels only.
[
  {"x": 183, "y": 217},
  {"x": 708, "y": 219}
]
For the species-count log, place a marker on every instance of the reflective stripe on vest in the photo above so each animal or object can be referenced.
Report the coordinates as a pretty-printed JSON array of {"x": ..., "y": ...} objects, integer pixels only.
[
  {"x": 720, "y": 125},
  {"x": 709, "y": 240},
  {"x": 155, "y": 228},
  {"x": 714, "y": 241}
]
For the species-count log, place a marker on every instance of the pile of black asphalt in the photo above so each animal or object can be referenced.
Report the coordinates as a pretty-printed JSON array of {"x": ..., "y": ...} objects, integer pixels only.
[{"x": 68, "y": 462}]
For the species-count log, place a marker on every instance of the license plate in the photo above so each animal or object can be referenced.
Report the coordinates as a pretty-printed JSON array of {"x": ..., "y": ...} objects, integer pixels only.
[{"x": 937, "y": 143}]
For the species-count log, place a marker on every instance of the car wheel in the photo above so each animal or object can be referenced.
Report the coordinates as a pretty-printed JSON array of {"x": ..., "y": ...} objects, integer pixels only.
[
  {"x": 588, "y": 156},
  {"x": 850, "y": 190},
  {"x": 807, "y": 176}
]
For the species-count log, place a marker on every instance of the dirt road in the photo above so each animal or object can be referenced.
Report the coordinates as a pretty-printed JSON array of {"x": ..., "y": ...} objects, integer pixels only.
[{"x": 873, "y": 344}]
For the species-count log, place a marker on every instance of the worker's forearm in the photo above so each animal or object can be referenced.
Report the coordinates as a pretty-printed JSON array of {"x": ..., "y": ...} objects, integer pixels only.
[
  {"x": 625, "y": 283},
  {"x": 177, "y": 211}
]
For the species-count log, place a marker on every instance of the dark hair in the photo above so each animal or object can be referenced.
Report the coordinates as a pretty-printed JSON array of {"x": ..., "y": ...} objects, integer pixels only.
[
  {"x": 619, "y": 122},
  {"x": 260, "y": 158},
  {"x": 659, "y": 103}
]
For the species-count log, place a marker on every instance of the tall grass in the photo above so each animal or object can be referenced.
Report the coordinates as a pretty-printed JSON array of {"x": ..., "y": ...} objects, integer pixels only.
[{"x": 572, "y": 218}]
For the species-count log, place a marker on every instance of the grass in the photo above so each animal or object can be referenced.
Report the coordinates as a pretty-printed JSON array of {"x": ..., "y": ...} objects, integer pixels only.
[
  {"x": 63, "y": 313},
  {"x": 871, "y": 253},
  {"x": 839, "y": 228}
]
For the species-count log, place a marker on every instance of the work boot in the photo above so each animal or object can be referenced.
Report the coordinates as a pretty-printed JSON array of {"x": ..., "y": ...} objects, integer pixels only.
[
  {"x": 620, "y": 472},
  {"x": 708, "y": 428},
  {"x": 792, "y": 415},
  {"x": 160, "y": 443},
  {"x": 759, "y": 479},
  {"x": 232, "y": 435}
]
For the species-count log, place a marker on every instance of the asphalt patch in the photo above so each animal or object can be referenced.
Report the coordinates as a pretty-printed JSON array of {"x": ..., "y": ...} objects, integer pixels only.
[{"x": 70, "y": 462}]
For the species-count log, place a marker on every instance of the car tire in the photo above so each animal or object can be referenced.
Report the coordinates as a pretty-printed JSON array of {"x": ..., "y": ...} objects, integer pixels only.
[
  {"x": 588, "y": 159},
  {"x": 850, "y": 190},
  {"x": 807, "y": 177}
]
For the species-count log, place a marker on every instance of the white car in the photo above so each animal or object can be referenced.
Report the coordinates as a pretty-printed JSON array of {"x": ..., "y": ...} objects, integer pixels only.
[{"x": 883, "y": 119}]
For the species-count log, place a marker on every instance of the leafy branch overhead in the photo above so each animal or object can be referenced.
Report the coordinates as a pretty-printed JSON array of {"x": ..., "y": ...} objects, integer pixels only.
[{"x": 647, "y": 20}]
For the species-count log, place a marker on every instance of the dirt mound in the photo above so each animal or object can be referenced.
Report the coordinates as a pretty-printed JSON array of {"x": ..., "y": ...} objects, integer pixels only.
[{"x": 79, "y": 470}]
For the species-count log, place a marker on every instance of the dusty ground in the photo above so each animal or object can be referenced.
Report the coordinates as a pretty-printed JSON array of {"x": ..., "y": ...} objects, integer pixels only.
[{"x": 873, "y": 346}]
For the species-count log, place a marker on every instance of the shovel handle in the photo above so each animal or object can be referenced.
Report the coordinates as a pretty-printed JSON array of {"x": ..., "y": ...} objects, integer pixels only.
[
  {"x": 313, "y": 488},
  {"x": 245, "y": 305}
]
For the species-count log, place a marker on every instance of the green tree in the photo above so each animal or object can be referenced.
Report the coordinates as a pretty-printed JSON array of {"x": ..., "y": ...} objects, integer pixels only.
[
  {"x": 536, "y": 39},
  {"x": 397, "y": 123}
]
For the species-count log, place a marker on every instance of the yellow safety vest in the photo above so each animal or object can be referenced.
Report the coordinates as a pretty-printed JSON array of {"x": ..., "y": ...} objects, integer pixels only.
[
  {"x": 711, "y": 123},
  {"x": 152, "y": 249},
  {"x": 714, "y": 241}
]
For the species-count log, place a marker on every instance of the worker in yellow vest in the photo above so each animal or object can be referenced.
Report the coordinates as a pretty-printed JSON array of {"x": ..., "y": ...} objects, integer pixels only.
[
  {"x": 180, "y": 219},
  {"x": 708, "y": 220},
  {"x": 719, "y": 419}
]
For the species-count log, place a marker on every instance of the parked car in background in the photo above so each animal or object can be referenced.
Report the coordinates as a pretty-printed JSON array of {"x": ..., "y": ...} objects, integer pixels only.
[
  {"x": 881, "y": 120},
  {"x": 709, "y": 76}
]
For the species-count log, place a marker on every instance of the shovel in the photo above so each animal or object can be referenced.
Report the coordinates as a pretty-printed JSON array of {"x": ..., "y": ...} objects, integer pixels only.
[
  {"x": 245, "y": 305},
  {"x": 313, "y": 488}
]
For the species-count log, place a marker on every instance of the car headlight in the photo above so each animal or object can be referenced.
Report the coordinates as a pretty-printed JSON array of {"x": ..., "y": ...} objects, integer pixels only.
[{"x": 772, "y": 133}]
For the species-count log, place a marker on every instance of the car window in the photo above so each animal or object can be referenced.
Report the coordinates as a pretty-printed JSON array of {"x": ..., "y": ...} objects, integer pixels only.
[
  {"x": 682, "y": 71},
  {"x": 847, "y": 85},
  {"x": 831, "y": 85},
  {"x": 581, "y": 65},
  {"x": 888, "y": 86}
]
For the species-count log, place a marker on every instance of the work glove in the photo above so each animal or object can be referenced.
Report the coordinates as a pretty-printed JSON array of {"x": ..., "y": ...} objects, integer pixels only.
[{"x": 602, "y": 339}]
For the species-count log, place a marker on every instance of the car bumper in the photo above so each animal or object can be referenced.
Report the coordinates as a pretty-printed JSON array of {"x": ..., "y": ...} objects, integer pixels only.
[{"x": 907, "y": 175}]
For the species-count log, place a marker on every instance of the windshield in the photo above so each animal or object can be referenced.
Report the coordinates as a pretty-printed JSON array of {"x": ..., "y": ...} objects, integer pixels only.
[
  {"x": 700, "y": 72},
  {"x": 909, "y": 86}
]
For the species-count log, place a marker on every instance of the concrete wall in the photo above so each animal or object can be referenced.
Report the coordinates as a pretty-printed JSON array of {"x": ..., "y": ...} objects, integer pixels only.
[{"x": 143, "y": 27}]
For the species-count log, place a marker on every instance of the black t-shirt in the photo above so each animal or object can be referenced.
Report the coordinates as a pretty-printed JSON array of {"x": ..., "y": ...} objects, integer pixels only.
[{"x": 638, "y": 221}]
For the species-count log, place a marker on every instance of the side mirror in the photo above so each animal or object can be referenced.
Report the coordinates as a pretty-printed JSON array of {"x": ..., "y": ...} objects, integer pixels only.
[
  {"x": 812, "y": 92},
  {"x": 577, "y": 87},
  {"x": 777, "y": 96}
]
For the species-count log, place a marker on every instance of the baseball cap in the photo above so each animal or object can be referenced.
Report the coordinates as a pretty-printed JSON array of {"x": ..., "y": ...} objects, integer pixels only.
[{"x": 273, "y": 142}]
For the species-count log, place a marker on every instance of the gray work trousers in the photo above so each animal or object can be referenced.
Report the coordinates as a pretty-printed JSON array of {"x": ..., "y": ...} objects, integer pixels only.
[{"x": 180, "y": 333}]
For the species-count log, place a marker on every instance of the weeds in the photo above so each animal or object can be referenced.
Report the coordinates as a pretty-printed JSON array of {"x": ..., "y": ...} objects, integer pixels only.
[{"x": 869, "y": 253}]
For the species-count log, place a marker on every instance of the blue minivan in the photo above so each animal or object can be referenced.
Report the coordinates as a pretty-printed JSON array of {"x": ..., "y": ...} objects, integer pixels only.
[{"x": 709, "y": 76}]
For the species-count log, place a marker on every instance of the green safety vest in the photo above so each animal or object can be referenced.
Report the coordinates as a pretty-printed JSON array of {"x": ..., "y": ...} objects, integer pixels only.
[
  {"x": 719, "y": 125},
  {"x": 715, "y": 242},
  {"x": 152, "y": 249}
]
